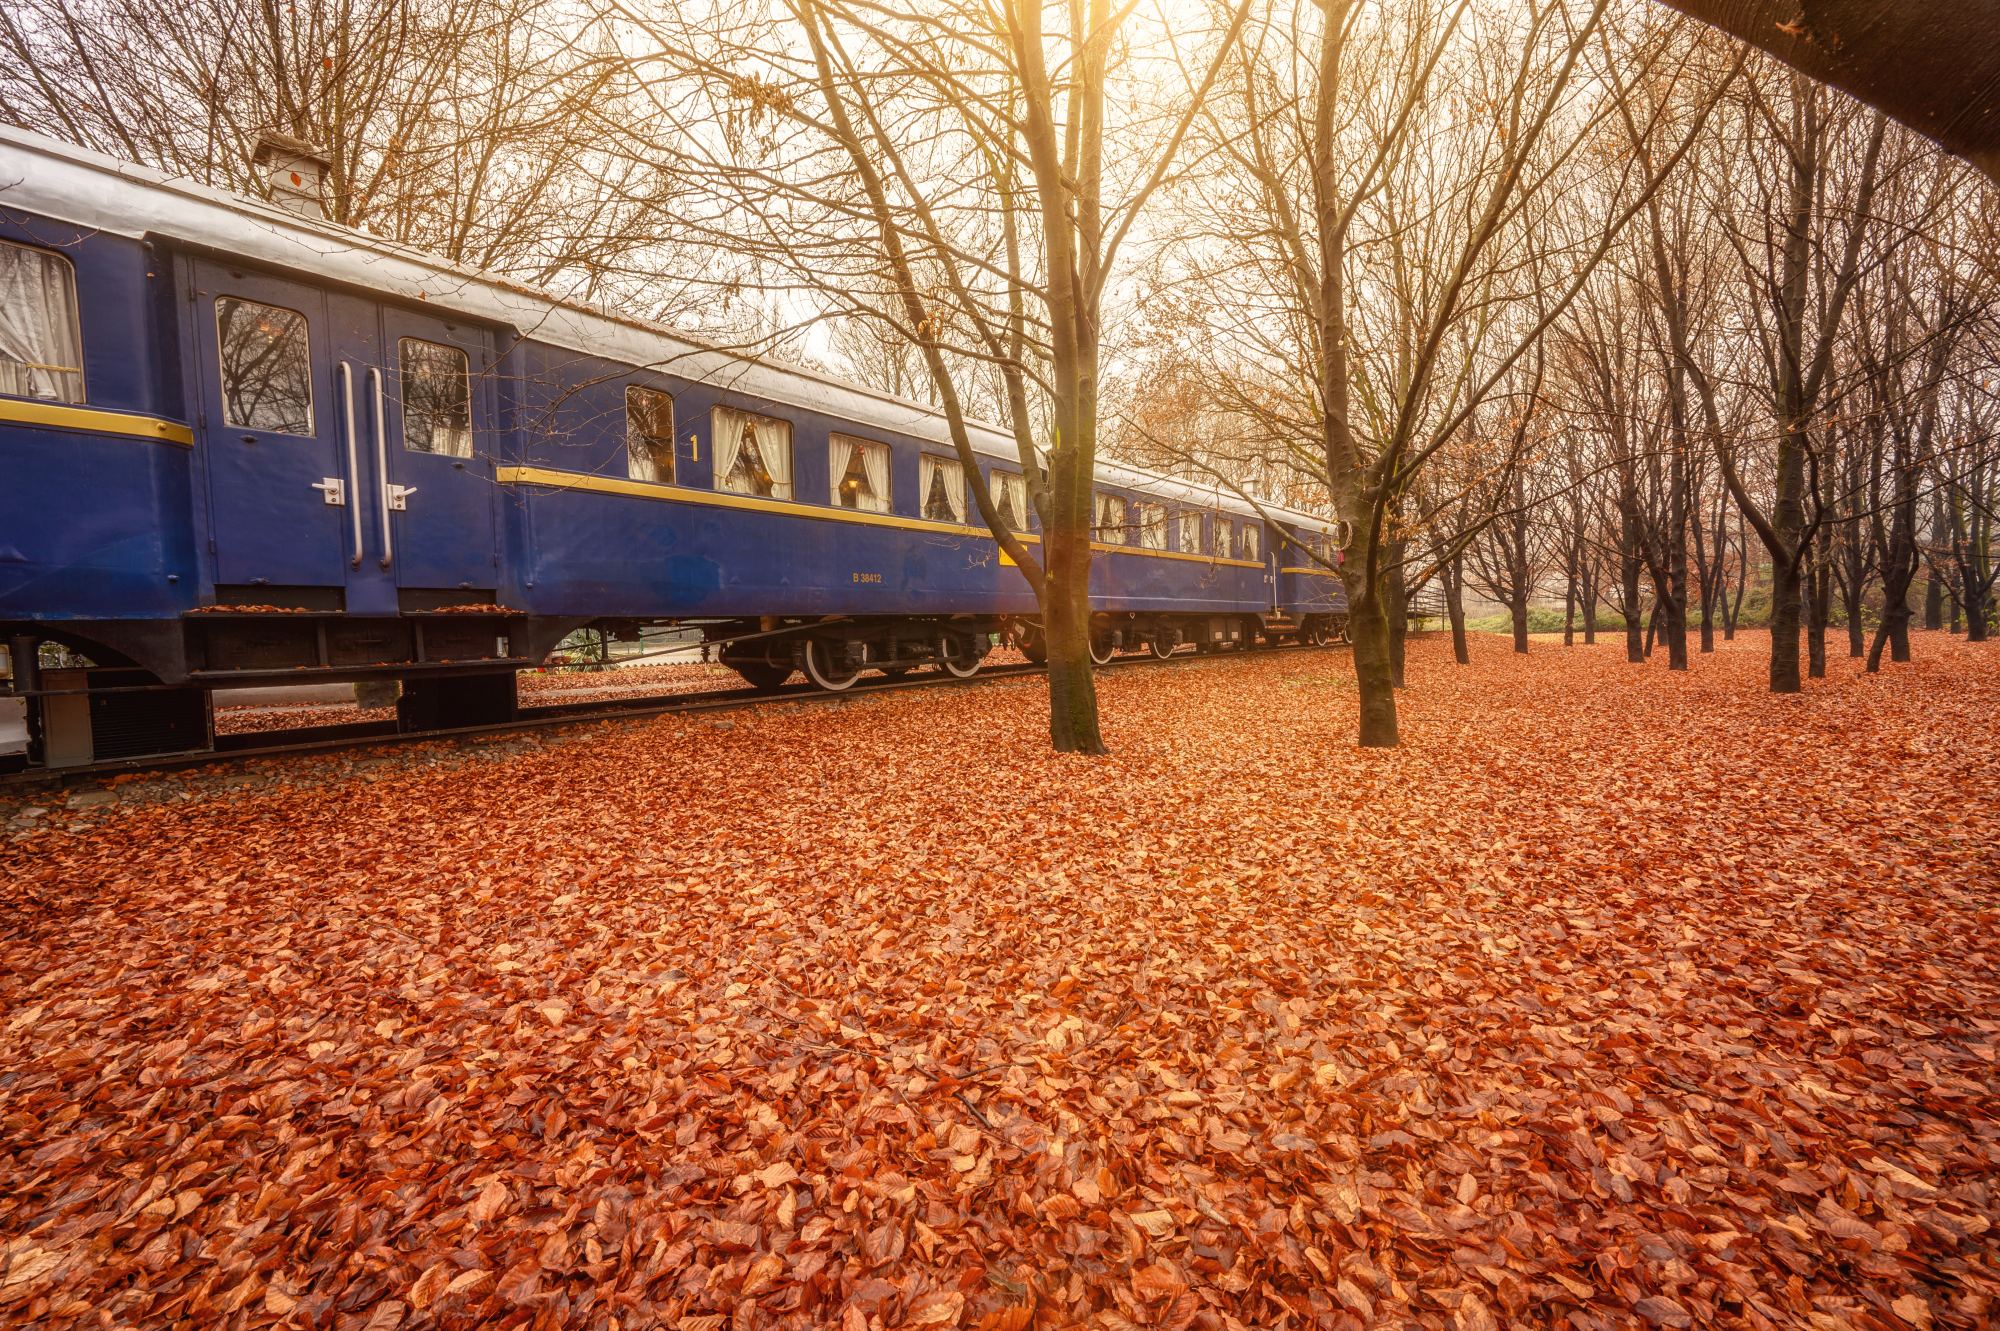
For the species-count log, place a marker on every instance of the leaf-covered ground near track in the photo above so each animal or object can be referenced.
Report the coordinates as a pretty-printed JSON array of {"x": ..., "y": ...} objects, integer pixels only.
[{"x": 1613, "y": 999}]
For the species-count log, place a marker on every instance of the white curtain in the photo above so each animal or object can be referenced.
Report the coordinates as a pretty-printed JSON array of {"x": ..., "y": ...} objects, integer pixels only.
[
  {"x": 727, "y": 428},
  {"x": 875, "y": 461},
  {"x": 841, "y": 450},
  {"x": 935, "y": 474},
  {"x": 839, "y": 453},
  {"x": 1110, "y": 519},
  {"x": 769, "y": 442},
  {"x": 1191, "y": 533},
  {"x": 1010, "y": 493},
  {"x": 1153, "y": 526},
  {"x": 41, "y": 352}
]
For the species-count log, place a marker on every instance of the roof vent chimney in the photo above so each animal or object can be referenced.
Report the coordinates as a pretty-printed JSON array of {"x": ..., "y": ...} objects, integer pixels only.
[{"x": 292, "y": 172}]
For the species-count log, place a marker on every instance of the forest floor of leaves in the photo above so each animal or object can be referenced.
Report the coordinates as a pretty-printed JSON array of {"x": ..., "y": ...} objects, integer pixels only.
[{"x": 1614, "y": 998}]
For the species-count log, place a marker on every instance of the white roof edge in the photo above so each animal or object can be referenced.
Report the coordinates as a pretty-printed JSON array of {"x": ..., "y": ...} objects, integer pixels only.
[{"x": 46, "y": 176}]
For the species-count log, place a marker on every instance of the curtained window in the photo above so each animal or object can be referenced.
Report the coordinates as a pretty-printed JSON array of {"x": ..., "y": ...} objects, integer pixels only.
[
  {"x": 859, "y": 469},
  {"x": 1108, "y": 522},
  {"x": 1191, "y": 533},
  {"x": 266, "y": 364},
  {"x": 1152, "y": 526},
  {"x": 1252, "y": 544},
  {"x": 41, "y": 342},
  {"x": 1224, "y": 536},
  {"x": 1010, "y": 496},
  {"x": 942, "y": 481},
  {"x": 437, "y": 398},
  {"x": 753, "y": 454},
  {"x": 649, "y": 435}
]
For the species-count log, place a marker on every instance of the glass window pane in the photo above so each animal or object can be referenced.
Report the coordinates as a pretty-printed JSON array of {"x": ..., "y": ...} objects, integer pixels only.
[
  {"x": 1251, "y": 547},
  {"x": 753, "y": 454},
  {"x": 649, "y": 435},
  {"x": 437, "y": 398},
  {"x": 942, "y": 481},
  {"x": 41, "y": 342},
  {"x": 858, "y": 470},
  {"x": 1224, "y": 538},
  {"x": 1153, "y": 526},
  {"x": 266, "y": 366},
  {"x": 1110, "y": 523},
  {"x": 1010, "y": 496},
  {"x": 1191, "y": 533}
]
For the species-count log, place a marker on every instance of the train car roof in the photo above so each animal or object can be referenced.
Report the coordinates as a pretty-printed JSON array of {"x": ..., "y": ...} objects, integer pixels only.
[{"x": 46, "y": 176}]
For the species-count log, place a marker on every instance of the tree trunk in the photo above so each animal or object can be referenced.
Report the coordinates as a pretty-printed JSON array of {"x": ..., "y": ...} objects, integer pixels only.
[
  {"x": 1073, "y": 725},
  {"x": 1518, "y": 612},
  {"x": 1589, "y": 606},
  {"x": 1396, "y": 608},
  {"x": 1933, "y": 602},
  {"x": 1785, "y": 598},
  {"x": 1635, "y": 629},
  {"x": 1569, "y": 592},
  {"x": 1374, "y": 677},
  {"x": 1819, "y": 611},
  {"x": 1453, "y": 574}
]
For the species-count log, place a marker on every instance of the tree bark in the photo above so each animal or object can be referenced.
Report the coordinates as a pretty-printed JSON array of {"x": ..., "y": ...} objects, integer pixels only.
[{"x": 1453, "y": 574}]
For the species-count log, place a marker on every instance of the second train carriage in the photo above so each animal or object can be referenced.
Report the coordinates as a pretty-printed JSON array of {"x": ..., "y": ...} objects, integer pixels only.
[{"x": 246, "y": 446}]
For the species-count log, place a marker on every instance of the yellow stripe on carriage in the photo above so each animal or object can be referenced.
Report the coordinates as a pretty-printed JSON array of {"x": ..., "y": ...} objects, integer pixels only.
[
  {"x": 681, "y": 494},
  {"x": 16, "y": 411},
  {"x": 1312, "y": 572}
]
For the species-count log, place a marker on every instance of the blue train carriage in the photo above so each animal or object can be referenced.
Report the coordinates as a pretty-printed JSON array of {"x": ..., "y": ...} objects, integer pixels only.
[{"x": 250, "y": 447}]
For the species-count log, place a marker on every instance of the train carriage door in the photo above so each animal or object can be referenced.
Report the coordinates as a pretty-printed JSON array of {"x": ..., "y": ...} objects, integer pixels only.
[
  {"x": 436, "y": 497},
  {"x": 270, "y": 426}
]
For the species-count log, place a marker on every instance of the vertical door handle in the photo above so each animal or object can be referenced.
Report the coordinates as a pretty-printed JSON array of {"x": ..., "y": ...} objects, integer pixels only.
[
  {"x": 353, "y": 463},
  {"x": 382, "y": 464}
]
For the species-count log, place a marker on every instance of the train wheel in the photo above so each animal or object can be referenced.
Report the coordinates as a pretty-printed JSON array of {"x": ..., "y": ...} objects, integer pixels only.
[
  {"x": 763, "y": 676},
  {"x": 1102, "y": 650},
  {"x": 959, "y": 657},
  {"x": 1162, "y": 646},
  {"x": 1316, "y": 636},
  {"x": 823, "y": 673}
]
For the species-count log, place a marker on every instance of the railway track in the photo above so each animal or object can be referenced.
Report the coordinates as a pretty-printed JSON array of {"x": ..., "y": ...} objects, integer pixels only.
[{"x": 268, "y": 744}]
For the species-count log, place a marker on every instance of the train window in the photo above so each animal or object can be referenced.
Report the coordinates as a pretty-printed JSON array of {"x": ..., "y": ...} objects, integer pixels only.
[
  {"x": 1250, "y": 535},
  {"x": 1190, "y": 533},
  {"x": 1153, "y": 526},
  {"x": 753, "y": 454},
  {"x": 266, "y": 366},
  {"x": 437, "y": 398},
  {"x": 649, "y": 435},
  {"x": 942, "y": 483},
  {"x": 41, "y": 342},
  {"x": 1010, "y": 496},
  {"x": 1223, "y": 537},
  {"x": 1110, "y": 519},
  {"x": 860, "y": 473}
]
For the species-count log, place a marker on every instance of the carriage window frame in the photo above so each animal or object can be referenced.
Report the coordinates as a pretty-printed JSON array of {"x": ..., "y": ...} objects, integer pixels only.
[
  {"x": 1108, "y": 533},
  {"x": 311, "y": 429},
  {"x": 783, "y": 486},
  {"x": 1249, "y": 541},
  {"x": 637, "y": 435},
  {"x": 933, "y": 467},
  {"x": 403, "y": 381},
  {"x": 851, "y": 445},
  {"x": 996, "y": 486},
  {"x": 75, "y": 312},
  {"x": 1152, "y": 524},
  {"x": 1183, "y": 521},
  {"x": 1223, "y": 542}
]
